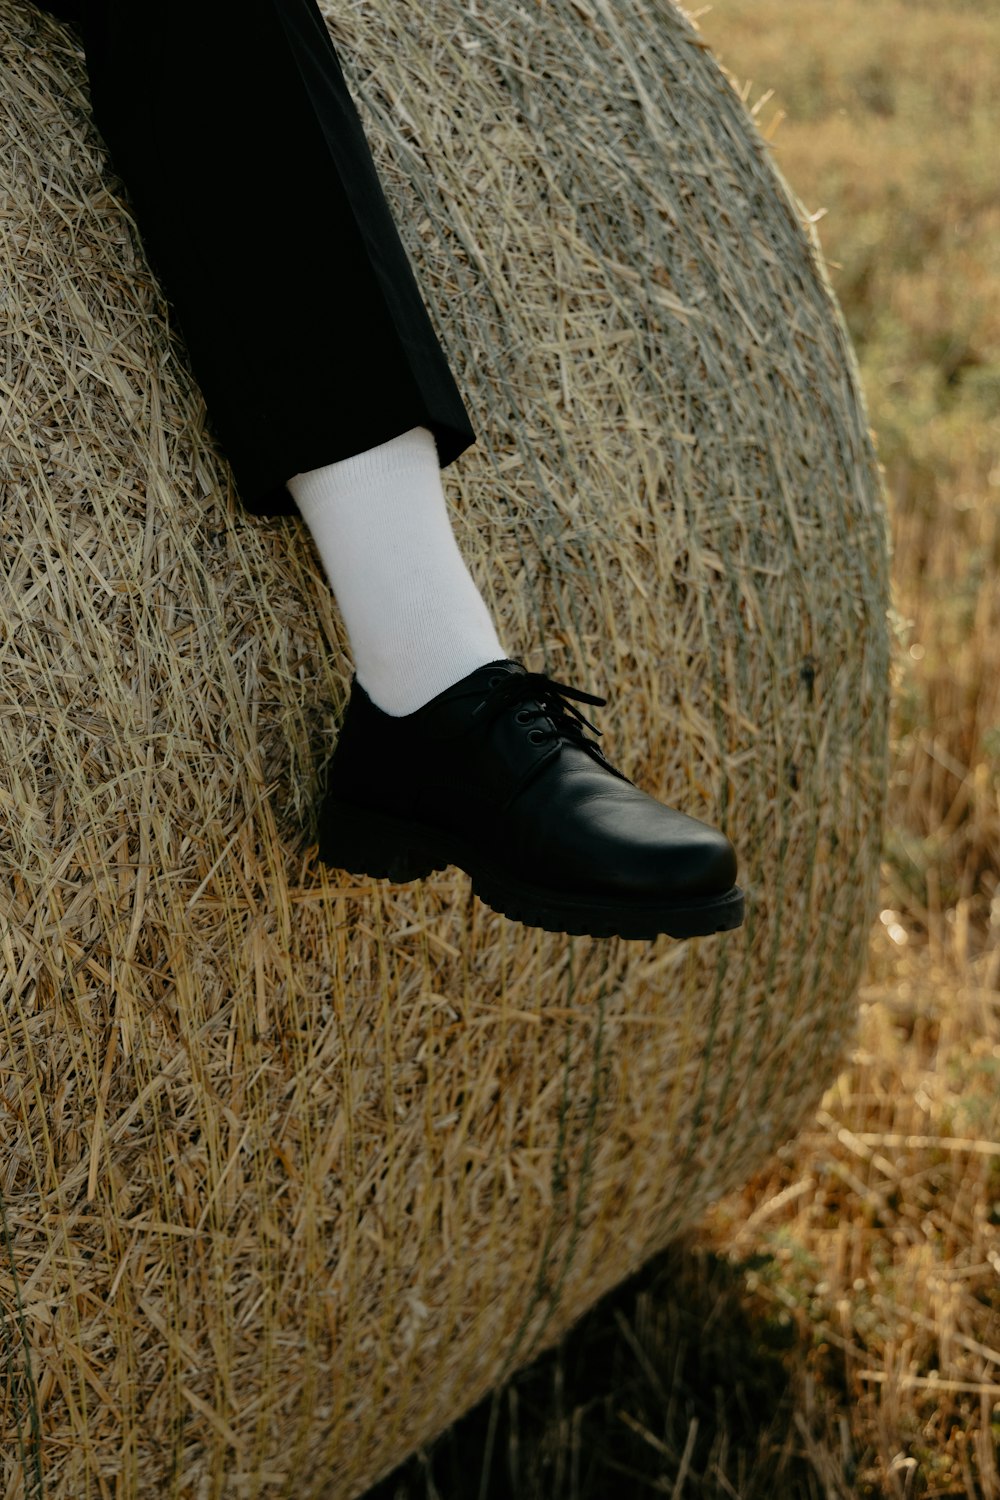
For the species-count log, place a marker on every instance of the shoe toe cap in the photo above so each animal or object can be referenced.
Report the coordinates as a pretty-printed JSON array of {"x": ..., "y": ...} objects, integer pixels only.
[
  {"x": 702, "y": 861},
  {"x": 671, "y": 856},
  {"x": 619, "y": 840}
]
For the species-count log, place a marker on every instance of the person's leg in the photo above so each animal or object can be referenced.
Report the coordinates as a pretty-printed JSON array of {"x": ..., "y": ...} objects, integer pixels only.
[{"x": 258, "y": 200}]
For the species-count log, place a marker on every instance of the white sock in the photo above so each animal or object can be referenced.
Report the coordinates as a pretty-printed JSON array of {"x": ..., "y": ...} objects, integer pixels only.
[{"x": 416, "y": 621}]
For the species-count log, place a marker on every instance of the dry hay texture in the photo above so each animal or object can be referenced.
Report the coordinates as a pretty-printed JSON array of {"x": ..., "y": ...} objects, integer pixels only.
[{"x": 295, "y": 1166}]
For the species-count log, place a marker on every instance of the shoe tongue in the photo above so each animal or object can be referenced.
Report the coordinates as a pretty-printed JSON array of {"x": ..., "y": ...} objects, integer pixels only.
[
  {"x": 479, "y": 682},
  {"x": 451, "y": 711}
]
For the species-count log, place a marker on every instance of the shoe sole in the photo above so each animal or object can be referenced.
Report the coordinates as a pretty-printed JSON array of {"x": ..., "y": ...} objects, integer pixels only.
[{"x": 382, "y": 848}]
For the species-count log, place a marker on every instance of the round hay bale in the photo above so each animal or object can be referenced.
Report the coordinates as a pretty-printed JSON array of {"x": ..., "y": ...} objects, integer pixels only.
[{"x": 295, "y": 1167}]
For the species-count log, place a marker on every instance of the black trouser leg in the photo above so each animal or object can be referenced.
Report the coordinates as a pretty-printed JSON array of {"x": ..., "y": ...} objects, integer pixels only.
[{"x": 252, "y": 183}]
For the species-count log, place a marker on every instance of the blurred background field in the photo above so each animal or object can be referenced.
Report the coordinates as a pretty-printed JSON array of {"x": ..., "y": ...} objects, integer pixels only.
[{"x": 834, "y": 1329}]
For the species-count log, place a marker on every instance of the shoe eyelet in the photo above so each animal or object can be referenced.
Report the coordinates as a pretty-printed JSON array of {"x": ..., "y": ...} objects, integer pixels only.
[
  {"x": 536, "y": 736},
  {"x": 523, "y": 716}
]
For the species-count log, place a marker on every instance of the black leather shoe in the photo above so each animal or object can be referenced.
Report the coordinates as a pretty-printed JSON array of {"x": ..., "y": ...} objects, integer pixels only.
[{"x": 497, "y": 776}]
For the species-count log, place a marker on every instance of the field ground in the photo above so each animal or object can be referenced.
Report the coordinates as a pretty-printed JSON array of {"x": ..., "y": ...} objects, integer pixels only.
[{"x": 834, "y": 1329}]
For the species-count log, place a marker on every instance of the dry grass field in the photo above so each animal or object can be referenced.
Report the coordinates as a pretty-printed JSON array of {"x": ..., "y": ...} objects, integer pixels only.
[{"x": 834, "y": 1329}]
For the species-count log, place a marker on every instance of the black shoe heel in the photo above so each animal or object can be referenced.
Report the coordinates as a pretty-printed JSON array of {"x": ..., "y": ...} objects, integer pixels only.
[{"x": 367, "y": 843}]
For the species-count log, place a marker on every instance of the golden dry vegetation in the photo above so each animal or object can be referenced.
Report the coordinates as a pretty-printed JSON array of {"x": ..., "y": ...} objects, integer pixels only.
[{"x": 834, "y": 1329}]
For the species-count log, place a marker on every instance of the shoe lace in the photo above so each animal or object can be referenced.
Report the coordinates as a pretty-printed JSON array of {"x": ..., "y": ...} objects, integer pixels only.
[{"x": 548, "y": 700}]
